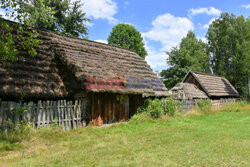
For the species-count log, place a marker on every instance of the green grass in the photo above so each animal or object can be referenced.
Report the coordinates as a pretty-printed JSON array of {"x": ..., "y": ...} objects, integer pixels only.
[{"x": 218, "y": 139}]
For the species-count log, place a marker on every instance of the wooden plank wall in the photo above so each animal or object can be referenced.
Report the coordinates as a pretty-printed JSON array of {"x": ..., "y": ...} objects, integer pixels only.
[
  {"x": 109, "y": 108},
  {"x": 67, "y": 114}
]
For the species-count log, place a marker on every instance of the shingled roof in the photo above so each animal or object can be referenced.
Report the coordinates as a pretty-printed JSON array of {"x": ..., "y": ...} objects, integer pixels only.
[
  {"x": 187, "y": 91},
  {"x": 212, "y": 85},
  {"x": 63, "y": 63}
]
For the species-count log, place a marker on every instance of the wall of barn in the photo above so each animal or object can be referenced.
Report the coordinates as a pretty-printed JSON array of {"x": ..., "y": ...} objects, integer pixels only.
[
  {"x": 105, "y": 108},
  {"x": 190, "y": 79}
]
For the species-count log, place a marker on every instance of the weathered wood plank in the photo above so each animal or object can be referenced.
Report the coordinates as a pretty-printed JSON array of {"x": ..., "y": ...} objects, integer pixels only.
[{"x": 100, "y": 118}]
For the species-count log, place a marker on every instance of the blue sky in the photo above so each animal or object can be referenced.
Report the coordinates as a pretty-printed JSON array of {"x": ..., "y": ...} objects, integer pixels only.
[{"x": 162, "y": 23}]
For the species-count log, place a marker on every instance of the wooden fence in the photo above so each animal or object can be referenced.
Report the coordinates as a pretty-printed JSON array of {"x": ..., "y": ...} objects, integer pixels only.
[{"x": 67, "y": 114}]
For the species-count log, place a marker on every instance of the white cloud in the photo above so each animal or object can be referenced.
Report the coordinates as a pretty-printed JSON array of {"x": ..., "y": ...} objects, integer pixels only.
[
  {"x": 168, "y": 30},
  {"x": 206, "y": 26},
  {"x": 101, "y": 9},
  {"x": 208, "y": 11},
  {"x": 102, "y": 41},
  {"x": 156, "y": 59},
  {"x": 246, "y": 6},
  {"x": 203, "y": 39}
]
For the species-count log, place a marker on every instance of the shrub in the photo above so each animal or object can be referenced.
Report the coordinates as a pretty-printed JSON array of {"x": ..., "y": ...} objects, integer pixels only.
[
  {"x": 204, "y": 103},
  {"x": 170, "y": 106},
  {"x": 205, "y": 106},
  {"x": 156, "y": 108}
]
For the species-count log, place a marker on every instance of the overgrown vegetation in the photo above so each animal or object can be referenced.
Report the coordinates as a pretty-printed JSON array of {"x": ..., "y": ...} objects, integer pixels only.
[
  {"x": 156, "y": 108},
  {"x": 220, "y": 139}
]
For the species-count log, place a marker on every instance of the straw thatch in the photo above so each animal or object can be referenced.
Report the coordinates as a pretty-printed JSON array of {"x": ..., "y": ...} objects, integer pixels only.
[
  {"x": 212, "y": 85},
  {"x": 63, "y": 63},
  {"x": 187, "y": 91}
]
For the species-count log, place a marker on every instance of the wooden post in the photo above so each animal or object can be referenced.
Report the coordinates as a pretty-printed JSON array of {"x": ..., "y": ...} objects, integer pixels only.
[{"x": 100, "y": 118}]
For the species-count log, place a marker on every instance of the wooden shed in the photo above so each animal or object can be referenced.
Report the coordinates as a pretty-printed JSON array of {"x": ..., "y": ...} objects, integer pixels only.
[
  {"x": 215, "y": 87},
  {"x": 112, "y": 79},
  {"x": 187, "y": 91}
]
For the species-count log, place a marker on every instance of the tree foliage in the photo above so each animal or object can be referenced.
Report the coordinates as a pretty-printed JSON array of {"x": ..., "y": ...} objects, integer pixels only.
[
  {"x": 63, "y": 16},
  {"x": 126, "y": 36},
  {"x": 191, "y": 54},
  {"x": 229, "y": 47},
  {"x": 13, "y": 34}
]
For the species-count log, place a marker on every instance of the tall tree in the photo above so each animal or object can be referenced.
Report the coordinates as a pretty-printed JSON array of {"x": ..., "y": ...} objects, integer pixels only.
[
  {"x": 63, "y": 16},
  {"x": 229, "y": 47},
  {"x": 126, "y": 36},
  {"x": 191, "y": 54}
]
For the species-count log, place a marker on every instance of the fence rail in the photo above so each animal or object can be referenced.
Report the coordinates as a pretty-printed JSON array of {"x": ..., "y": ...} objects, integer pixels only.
[{"x": 67, "y": 114}]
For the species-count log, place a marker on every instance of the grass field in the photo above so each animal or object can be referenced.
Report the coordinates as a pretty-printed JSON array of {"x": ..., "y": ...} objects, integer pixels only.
[{"x": 217, "y": 139}]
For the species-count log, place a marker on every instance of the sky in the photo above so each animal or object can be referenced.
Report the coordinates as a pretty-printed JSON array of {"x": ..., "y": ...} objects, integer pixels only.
[{"x": 162, "y": 23}]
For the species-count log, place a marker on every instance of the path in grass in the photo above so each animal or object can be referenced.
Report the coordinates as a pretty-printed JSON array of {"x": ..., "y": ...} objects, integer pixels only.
[{"x": 207, "y": 140}]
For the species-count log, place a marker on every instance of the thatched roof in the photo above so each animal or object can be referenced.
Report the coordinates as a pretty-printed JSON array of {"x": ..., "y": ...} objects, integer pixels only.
[
  {"x": 213, "y": 86},
  {"x": 63, "y": 63},
  {"x": 187, "y": 91}
]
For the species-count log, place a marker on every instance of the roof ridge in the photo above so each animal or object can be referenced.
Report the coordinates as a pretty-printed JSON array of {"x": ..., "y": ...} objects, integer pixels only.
[
  {"x": 196, "y": 72},
  {"x": 40, "y": 29}
]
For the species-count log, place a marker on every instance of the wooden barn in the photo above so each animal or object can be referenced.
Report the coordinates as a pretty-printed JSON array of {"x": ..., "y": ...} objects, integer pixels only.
[
  {"x": 112, "y": 80},
  {"x": 214, "y": 86}
]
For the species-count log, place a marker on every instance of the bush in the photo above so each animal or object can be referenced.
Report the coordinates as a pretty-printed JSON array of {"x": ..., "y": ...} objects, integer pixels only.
[
  {"x": 205, "y": 106},
  {"x": 204, "y": 103},
  {"x": 156, "y": 108},
  {"x": 170, "y": 106}
]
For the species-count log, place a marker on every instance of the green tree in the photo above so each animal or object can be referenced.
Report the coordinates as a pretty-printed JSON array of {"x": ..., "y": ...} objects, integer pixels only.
[
  {"x": 229, "y": 47},
  {"x": 15, "y": 36},
  {"x": 126, "y": 36},
  {"x": 63, "y": 16},
  {"x": 191, "y": 54}
]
